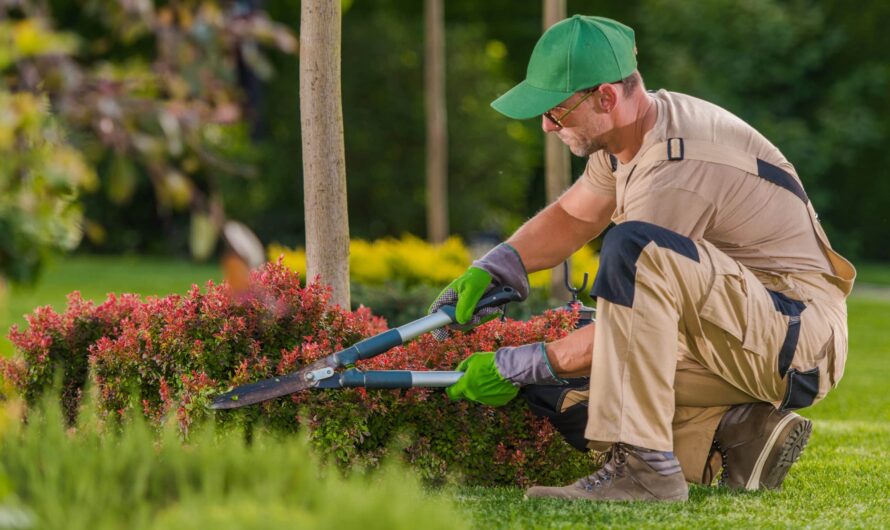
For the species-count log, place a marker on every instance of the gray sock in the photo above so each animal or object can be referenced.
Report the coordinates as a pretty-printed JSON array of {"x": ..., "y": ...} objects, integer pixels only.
[{"x": 663, "y": 462}]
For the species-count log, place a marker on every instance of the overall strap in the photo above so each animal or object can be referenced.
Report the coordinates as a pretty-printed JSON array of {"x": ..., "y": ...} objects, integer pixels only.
[{"x": 677, "y": 149}]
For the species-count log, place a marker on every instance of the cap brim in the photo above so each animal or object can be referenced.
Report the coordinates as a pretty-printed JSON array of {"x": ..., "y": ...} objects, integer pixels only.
[{"x": 525, "y": 101}]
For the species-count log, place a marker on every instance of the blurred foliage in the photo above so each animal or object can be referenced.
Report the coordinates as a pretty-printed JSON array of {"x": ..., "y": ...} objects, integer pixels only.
[
  {"x": 149, "y": 91},
  {"x": 41, "y": 176},
  {"x": 778, "y": 65},
  {"x": 383, "y": 102},
  {"x": 174, "y": 105},
  {"x": 97, "y": 477},
  {"x": 811, "y": 76},
  {"x": 409, "y": 259}
]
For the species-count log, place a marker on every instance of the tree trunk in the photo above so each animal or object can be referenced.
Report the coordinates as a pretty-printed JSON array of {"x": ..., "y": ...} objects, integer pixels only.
[
  {"x": 436, "y": 124},
  {"x": 324, "y": 163},
  {"x": 558, "y": 164}
]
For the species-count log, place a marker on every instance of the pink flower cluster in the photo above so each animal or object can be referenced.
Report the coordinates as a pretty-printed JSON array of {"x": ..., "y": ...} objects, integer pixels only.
[{"x": 167, "y": 356}]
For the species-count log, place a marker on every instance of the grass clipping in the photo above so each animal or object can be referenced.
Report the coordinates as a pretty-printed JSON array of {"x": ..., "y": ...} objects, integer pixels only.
[{"x": 132, "y": 477}]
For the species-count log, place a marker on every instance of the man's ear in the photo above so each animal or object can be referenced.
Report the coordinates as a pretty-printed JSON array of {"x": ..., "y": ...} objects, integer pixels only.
[{"x": 606, "y": 98}]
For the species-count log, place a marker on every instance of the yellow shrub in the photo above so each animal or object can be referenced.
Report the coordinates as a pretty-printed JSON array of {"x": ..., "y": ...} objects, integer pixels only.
[
  {"x": 585, "y": 260},
  {"x": 294, "y": 259},
  {"x": 414, "y": 261},
  {"x": 409, "y": 259}
]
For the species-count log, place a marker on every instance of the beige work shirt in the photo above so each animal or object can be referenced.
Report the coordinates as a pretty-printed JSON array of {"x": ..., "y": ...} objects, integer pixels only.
[{"x": 759, "y": 224}]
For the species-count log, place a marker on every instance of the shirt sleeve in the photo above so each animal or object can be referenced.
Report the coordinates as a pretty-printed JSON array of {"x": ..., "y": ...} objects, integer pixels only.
[
  {"x": 598, "y": 174},
  {"x": 683, "y": 211}
]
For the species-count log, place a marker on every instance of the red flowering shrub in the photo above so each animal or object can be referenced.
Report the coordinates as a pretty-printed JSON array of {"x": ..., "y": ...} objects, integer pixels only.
[
  {"x": 169, "y": 355},
  {"x": 53, "y": 341}
]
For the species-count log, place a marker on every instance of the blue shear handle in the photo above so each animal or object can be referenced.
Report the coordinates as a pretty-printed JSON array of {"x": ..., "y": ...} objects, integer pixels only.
[
  {"x": 370, "y": 347},
  {"x": 377, "y": 379},
  {"x": 378, "y": 344}
]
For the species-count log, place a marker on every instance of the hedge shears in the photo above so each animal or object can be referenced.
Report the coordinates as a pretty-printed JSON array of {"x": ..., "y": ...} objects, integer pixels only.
[{"x": 322, "y": 373}]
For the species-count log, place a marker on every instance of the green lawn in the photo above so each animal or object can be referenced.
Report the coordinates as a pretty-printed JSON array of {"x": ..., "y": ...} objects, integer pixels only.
[
  {"x": 95, "y": 277},
  {"x": 842, "y": 480}
]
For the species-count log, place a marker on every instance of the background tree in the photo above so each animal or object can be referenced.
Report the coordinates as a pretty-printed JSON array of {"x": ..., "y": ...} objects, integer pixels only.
[
  {"x": 384, "y": 123},
  {"x": 324, "y": 163},
  {"x": 436, "y": 123},
  {"x": 558, "y": 164}
]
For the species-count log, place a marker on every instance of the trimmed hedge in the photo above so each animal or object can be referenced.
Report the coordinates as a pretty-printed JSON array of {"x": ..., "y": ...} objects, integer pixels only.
[{"x": 167, "y": 356}]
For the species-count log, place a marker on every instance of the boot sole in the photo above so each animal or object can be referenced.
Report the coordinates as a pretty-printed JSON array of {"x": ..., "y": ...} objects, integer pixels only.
[{"x": 792, "y": 447}]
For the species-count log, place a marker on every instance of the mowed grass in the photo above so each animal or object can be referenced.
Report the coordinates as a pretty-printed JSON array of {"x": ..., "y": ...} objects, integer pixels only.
[{"x": 842, "y": 480}]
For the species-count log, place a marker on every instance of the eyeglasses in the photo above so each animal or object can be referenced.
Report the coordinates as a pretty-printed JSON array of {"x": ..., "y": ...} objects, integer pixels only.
[{"x": 558, "y": 121}]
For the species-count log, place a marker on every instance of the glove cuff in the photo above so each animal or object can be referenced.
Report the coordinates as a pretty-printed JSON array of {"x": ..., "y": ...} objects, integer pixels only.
[
  {"x": 526, "y": 365},
  {"x": 506, "y": 268}
]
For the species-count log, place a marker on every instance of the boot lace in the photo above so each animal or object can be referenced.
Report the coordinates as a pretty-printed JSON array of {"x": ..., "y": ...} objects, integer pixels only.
[
  {"x": 614, "y": 466},
  {"x": 724, "y": 464}
]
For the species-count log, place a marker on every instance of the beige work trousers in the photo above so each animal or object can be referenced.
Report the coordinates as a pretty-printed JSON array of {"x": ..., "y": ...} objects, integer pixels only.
[{"x": 684, "y": 331}]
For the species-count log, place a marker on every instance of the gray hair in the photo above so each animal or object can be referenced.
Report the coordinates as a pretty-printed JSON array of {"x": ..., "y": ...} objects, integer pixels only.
[{"x": 631, "y": 83}]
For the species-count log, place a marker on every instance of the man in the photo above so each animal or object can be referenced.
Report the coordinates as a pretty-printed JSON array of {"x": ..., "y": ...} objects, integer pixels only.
[{"x": 721, "y": 306}]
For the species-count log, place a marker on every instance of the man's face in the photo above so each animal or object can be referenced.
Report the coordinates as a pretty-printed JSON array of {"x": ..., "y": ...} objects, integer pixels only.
[{"x": 583, "y": 128}]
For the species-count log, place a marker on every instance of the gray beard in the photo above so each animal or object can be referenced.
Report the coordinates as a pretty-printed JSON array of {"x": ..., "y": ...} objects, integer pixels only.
[{"x": 589, "y": 148}]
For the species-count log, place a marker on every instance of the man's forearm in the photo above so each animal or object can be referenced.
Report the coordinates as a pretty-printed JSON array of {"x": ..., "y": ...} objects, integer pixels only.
[
  {"x": 550, "y": 237},
  {"x": 570, "y": 356}
]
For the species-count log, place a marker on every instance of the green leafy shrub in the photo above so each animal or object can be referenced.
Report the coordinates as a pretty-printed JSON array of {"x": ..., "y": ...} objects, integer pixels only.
[
  {"x": 41, "y": 176},
  {"x": 97, "y": 478},
  {"x": 167, "y": 356}
]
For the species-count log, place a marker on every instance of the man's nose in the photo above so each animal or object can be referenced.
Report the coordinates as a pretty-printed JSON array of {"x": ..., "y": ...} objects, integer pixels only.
[{"x": 548, "y": 126}]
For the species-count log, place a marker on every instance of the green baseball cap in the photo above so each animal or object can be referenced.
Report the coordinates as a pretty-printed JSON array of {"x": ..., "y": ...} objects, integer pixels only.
[{"x": 574, "y": 54}]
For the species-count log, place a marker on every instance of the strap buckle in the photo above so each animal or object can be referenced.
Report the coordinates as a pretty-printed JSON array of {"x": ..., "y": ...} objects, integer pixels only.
[{"x": 675, "y": 145}]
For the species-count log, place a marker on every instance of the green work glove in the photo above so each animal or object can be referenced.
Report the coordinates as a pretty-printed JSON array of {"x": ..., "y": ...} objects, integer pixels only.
[
  {"x": 468, "y": 288},
  {"x": 464, "y": 293},
  {"x": 501, "y": 266},
  {"x": 482, "y": 382}
]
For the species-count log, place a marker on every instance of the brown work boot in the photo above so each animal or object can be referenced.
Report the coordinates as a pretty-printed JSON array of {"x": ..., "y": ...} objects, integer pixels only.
[
  {"x": 630, "y": 474},
  {"x": 758, "y": 444}
]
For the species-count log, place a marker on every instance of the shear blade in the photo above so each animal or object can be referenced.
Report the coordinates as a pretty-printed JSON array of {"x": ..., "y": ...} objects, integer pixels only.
[{"x": 271, "y": 388}]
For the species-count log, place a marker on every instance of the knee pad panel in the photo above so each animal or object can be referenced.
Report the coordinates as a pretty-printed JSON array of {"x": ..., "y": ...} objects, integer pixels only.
[{"x": 622, "y": 247}]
